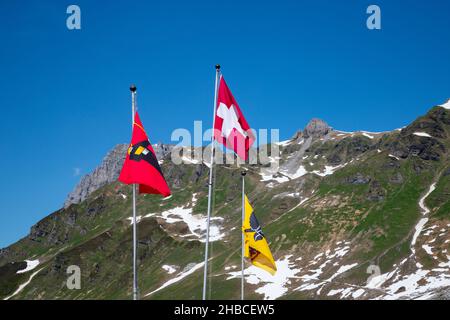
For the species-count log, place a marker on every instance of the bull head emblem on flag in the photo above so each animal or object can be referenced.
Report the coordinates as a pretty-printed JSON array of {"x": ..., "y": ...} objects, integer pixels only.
[
  {"x": 256, "y": 228},
  {"x": 140, "y": 151}
]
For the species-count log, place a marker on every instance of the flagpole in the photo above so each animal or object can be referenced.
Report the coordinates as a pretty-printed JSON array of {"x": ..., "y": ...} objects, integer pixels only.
[
  {"x": 205, "y": 271},
  {"x": 243, "y": 173},
  {"x": 135, "y": 285}
]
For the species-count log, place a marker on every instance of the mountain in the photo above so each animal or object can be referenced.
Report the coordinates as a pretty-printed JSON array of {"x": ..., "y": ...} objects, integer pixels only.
[{"x": 349, "y": 215}]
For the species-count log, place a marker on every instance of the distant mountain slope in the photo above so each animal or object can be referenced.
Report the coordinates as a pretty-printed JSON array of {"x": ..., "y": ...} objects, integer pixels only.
[{"x": 341, "y": 207}]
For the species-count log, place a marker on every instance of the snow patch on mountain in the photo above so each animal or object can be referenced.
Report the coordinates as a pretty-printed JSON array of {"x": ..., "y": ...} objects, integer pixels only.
[
  {"x": 424, "y": 220},
  {"x": 170, "y": 269},
  {"x": 325, "y": 261},
  {"x": 367, "y": 135},
  {"x": 446, "y": 105},
  {"x": 301, "y": 171},
  {"x": 188, "y": 160},
  {"x": 329, "y": 170},
  {"x": 284, "y": 143},
  {"x": 394, "y": 157},
  {"x": 272, "y": 287},
  {"x": 180, "y": 276},
  {"x": 31, "y": 264},
  {"x": 138, "y": 219},
  {"x": 286, "y": 175},
  {"x": 422, "y": 134},
  {"x": 23, "y": 285},
  {"x": 420, "y": 283},
  {"x": 196, "y": 223}
]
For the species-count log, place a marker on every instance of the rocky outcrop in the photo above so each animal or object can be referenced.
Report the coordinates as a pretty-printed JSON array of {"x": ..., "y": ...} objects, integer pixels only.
[
  {"x": 107, "y": 172},
  {"x": 397, "y": 178},
  {"x": 376, "y": 192},
  {"x": 316, "y": 128},
  {"x": 423, "y": 138},
  {"x": 358, "y": 178}
]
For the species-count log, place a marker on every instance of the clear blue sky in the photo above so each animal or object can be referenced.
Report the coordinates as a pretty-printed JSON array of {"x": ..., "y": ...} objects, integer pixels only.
[{"x": 64, "y": 94}]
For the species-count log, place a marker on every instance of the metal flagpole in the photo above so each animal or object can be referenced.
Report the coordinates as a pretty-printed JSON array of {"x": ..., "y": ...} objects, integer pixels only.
[
  {"x": 205, "y": 272},
  {"x": 135, "y": 286},
  {"x": 243, "y": 173}
]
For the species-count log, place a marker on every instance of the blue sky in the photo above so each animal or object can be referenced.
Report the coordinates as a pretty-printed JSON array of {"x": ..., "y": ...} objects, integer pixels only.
[{"x": 64, "y": 94}]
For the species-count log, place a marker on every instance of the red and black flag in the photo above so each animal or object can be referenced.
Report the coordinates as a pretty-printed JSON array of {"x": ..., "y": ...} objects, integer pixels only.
[{"x": 141, "y": 166}]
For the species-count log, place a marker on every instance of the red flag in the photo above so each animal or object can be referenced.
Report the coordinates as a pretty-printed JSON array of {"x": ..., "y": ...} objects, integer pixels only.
[
  {"x": 230, "y": 127},
  {"x": 141, "y": 165}
]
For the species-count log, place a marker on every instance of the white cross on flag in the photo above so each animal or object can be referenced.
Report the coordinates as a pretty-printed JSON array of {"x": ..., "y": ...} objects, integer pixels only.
[{"x": 230, "y": 127}]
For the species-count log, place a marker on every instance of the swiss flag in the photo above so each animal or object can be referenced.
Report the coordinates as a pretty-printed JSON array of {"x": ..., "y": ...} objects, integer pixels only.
[
  {"x": 230, "y": 127},
  {"x": 141, "y": 165}
]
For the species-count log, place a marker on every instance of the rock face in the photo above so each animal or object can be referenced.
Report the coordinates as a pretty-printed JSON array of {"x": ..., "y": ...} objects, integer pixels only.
[
  {"x": 428, "y": 147},
  {"x": 358, "y": 178},
  {"x": 316, "y": 128},
  {"x": 107, "y": 172}
]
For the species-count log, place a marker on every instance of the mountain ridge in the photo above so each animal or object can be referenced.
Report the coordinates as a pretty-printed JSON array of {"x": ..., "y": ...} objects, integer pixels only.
[
  {"x": 337, "y": 205},
  {"x": 109, "y": 169}
]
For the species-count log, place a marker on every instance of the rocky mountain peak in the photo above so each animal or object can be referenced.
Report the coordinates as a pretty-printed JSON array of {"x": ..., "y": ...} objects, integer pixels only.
[
  {"x": 316, "y": 128},
  {"x": 105, "y": 173}
]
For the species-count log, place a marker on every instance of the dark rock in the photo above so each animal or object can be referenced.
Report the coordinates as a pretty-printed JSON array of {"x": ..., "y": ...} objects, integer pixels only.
[
  {"x": 376, "y": 192},
  {"x": 4, "y": 254},
  {"x": 391, "y": 164},
  {"x": 334, "y": 159},
  {"x": 199, "y": 170},
  {"x": 283, "y": 206},
  {"x": 60, "y": 264},
  {"x": 397, "y": 178},
  {"x": 96, "y": 207},
  {"x": 401, "y": 289},
  {"x": 446, "y": 173},
  {"x": 358, "y": 178},
  {"x": 349, "y": 148},
  {"x": 71, "y": 218},
  {"x": 418, "y": 167},
  {"x": 94, "y": 273},
  {"x": 38, "y": 232},
  {"x": 409, "y": 144}
]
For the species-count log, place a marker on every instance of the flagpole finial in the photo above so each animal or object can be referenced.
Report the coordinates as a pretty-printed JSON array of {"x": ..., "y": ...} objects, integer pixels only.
[
  {"x": 217, "y": 67},
  {"x": 133, "y": 88}
]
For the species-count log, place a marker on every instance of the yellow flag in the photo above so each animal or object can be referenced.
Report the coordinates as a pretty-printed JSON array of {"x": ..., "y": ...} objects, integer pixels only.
[{"x": 256, "y": 247}]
